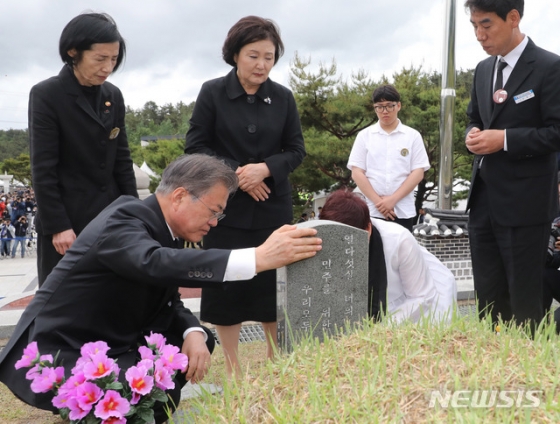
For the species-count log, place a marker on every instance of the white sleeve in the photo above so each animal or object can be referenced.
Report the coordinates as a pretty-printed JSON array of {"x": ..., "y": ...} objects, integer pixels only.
[
  {"x": 190, "y": 330},
  {"x": 358, "y": 154},
  {"x": 241, "y": 265},
  {"x": 417, "y": 283},
  {"x": 419, "y": 154}
]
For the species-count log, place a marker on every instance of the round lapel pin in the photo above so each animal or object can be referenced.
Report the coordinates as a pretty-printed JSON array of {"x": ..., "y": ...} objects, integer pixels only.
[
  {"x": 500, "y": 96},
  {"x": 404, "y": 152}
]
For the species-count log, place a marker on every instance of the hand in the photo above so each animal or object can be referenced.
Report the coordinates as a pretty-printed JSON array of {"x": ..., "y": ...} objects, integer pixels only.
[
  {"x": 386, "y": 206},
  {"x": 260, "y": 192},
  {"x": 199, "y": 356},
  {"x": 251, "y": 175},
  {"x": 286, "y": 245},
  {"x": 63, "y": 240},
  {"x": 484, "y": 142}
]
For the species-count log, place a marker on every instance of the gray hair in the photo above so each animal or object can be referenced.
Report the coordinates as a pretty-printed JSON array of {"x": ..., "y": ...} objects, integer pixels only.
[{"x": 197, "y": 173}]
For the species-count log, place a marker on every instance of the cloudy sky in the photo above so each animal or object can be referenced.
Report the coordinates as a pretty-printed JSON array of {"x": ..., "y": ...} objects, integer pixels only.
[{"x": 173, "y": 46}]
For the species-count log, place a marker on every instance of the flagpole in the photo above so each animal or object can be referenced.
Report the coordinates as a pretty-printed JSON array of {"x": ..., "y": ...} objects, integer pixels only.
[{"x": 447, "y": 116}]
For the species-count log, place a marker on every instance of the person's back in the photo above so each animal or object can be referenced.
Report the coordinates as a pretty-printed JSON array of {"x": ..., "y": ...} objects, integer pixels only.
[{"x": 418, "y": 284}]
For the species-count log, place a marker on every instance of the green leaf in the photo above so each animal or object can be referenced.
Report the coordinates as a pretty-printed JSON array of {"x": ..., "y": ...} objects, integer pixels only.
[
  {"x": 146, "y": 414},
  {"x": 159, "y": 395},
  {"x": 115, "y": 385}
]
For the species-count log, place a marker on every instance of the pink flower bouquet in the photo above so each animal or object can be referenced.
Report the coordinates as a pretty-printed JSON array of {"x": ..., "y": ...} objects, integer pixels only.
[{"x": 93, "y": 394}]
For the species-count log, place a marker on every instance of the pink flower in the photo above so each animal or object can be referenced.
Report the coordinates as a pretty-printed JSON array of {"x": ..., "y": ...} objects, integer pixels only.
[
  {"x": 87, "y": 394},
  {"x": 113, "y": 420},
  {"x": 146, "y": 352},
  {"x": 139, "y": 380},
  {"x": 45, "y": 360},
  {"x": 68, "y": 388},
  {"x": 33, "y": 372},
  {"x": 163, "y": 376},
  {"x": 92, "y": 348},
  {"x": 135, "y": 398},
  {"x": 173, "y": 359},
  {"x": 48, "y": 379},
  {"x": 146, "y": 363},
  {"x": 155, "y": 340},
  {"x": 80, "y": 363},
  {"x": 30, "y": 354},
  {"x": 112, "y": 405},
  {"x": 76, "y": 411},
  {"x": 73, "y": 382},
  {"x": 99, "y": 366},
  {"x": 61, "y": 400}
]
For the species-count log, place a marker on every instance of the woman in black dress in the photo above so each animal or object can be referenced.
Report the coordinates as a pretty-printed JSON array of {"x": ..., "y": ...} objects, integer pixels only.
[
  {"x": 80, "y": 158},
  {"x": 251, "y": 123}
]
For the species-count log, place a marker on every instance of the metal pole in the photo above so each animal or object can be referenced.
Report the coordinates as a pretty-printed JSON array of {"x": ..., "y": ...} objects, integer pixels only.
[{"x": 445, "y": 186}]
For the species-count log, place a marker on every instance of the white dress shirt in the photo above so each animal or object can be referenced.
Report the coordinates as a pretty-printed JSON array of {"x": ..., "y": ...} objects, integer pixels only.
[
  {"x": 388, "y": 159},
  {"x": 417, "y": 282}
]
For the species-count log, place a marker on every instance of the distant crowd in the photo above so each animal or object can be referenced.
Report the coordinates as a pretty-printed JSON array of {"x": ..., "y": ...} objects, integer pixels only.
[{"x": 17, "y": 211}]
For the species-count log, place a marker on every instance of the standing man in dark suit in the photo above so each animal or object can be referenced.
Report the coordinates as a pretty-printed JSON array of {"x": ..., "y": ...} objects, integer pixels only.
[
  {"x": 119, "y": 280},
  {"x": 80, "y": 160},
  {"x": 514, "y": 131}
]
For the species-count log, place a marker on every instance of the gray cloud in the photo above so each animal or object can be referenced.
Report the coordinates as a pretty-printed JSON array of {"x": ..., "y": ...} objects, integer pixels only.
[{"x": 175, "y": 45}]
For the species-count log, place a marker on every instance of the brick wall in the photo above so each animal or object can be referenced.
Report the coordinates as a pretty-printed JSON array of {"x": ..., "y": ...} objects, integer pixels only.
[{"x": 453, "y": 251}]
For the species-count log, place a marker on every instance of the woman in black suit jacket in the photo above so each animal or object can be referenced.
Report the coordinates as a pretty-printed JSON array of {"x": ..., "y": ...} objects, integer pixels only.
[
  {"x": 79, "y": 149},
  {"x": 252, "y": 124}
]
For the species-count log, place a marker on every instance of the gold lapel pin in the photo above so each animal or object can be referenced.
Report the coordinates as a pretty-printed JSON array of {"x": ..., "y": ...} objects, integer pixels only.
[
  {"x": 107, "y": 103},
  {"x": 114, "y": 133}
]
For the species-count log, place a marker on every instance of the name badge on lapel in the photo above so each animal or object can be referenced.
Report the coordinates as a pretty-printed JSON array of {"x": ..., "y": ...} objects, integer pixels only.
[
  {"x": 524, "y": 96},
  {"x": 114, "y": 133}
]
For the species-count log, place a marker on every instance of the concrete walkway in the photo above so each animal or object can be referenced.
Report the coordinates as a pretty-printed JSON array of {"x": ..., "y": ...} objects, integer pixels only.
[{"x": 18, "y": 283}]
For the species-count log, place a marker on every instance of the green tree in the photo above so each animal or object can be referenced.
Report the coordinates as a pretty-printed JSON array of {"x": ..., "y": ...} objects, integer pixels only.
[
  {"x": 153, "y": 120},
  {"x": 13, "y": 143},
  {"x": 158, "y": 155},
  {"x": 19, "y": 167},
  {"x": 334, "y": 110}
]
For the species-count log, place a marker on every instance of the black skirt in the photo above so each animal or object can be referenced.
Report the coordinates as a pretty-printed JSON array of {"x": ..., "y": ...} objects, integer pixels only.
[{"x": 238, "y": 301}]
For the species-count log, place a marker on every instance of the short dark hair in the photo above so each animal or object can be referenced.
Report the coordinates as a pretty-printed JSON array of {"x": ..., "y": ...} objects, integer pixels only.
[
  {"x": 198, "y": 174},
  {"x": 386, "y": 93},
  {"x": 348, "y": 208},
  {"x": 251, "y": 29},
  {"x": 499, "y": 7},
  {"x": 87, "y": 29}
]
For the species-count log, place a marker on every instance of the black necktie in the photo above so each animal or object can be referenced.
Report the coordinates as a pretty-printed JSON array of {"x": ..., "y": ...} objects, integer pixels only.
[{"x": 500, "y": 76}]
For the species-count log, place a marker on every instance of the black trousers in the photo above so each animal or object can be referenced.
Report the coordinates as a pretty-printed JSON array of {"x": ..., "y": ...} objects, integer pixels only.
[
  {"x": 407, "y": 223},
  {"x": 507, "y": 262}
]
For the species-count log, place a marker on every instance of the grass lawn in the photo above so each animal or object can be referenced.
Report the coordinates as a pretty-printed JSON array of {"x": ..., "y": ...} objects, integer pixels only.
[{"x": 381, "y": 373}]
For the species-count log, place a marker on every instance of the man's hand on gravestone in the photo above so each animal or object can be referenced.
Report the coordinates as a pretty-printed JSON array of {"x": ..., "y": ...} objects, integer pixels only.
[{"x": 286, "y": 245}]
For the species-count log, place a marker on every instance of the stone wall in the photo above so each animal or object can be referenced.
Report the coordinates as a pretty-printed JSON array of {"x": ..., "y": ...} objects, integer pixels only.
[{"x": 453, "y": 251}]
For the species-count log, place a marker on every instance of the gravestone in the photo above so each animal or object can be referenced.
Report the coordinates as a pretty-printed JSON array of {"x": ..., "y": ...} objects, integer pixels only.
[{"x": 321, "y": 295}]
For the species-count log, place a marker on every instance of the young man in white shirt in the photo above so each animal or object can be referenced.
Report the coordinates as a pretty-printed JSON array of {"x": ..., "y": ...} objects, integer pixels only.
[{"x": 388, "y": 160}]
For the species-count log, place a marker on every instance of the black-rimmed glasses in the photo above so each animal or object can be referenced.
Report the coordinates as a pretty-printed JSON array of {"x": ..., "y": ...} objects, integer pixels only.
[
  {"x": 215, "y": 215},
  {"x": 388, "y": 108}
]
